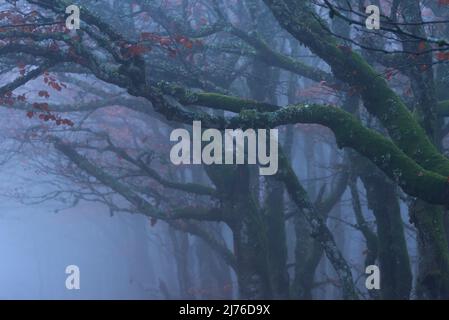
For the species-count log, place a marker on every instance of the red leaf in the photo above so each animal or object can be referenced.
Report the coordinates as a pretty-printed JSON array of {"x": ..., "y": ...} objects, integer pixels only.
[{"x": 44, "y": 93}]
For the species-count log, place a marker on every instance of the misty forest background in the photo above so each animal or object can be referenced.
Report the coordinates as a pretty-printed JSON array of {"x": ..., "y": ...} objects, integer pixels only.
[{"x": 86, "y": 178}]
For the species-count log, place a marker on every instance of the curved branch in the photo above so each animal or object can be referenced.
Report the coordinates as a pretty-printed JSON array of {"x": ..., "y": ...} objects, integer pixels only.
[
  {"x": 380, "y": 100},
  {"x": 349, "y": 132}
]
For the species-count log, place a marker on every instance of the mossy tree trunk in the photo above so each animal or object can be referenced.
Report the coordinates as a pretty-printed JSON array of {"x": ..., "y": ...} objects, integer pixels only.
[
  {"x": 262, "y": 87},
  {"x": 394, "y": 263}
]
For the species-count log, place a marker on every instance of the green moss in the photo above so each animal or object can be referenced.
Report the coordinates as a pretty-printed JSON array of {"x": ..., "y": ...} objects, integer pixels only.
[
  {"x": 299, "y": 19},
  {"x": 349, "y": 132}
]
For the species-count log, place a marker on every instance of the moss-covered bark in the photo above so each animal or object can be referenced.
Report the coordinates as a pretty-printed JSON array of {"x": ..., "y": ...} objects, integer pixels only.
[
  {"x": 380, "y": 100},
  {"x": 433, "y": 278}
]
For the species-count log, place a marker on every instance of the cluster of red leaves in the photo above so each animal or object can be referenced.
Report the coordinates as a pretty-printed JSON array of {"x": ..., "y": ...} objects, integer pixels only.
[
  {"x": 424, "y": 67},
  {"x": 41, "y": 108},
  {"x": 53, "y": 83}
]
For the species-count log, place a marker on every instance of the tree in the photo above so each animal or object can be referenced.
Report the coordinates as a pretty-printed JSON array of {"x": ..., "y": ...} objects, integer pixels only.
[{"x": 218, "y": 63}]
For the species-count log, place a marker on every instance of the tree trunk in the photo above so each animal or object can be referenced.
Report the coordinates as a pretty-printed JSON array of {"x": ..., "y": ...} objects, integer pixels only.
[{"x": 395, "y": 270}]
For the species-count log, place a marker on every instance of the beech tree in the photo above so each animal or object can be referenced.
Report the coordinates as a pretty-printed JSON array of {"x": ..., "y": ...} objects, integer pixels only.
[{"x": 137, "y": 69}]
